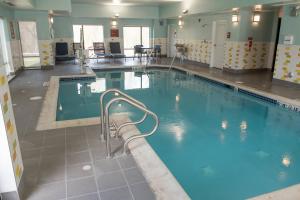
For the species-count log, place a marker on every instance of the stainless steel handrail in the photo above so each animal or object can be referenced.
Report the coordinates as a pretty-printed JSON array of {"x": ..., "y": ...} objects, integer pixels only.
[
  {"x": 102, "y": 108},
  {"x": 172, "y": 63},
  {"x": 137, "y": 105}
]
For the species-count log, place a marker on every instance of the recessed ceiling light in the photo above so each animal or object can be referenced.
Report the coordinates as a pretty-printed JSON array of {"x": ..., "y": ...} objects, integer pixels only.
[{"x": 116, "y": 1}]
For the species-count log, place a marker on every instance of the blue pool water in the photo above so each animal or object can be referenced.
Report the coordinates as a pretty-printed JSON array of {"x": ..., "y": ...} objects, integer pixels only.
[{"x": 219, "y": 144}]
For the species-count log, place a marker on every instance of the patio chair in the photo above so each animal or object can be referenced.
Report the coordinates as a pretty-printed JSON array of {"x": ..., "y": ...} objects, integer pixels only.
[
  {"x": 157, "y": 50},
  {"x": 115, "y": 51},
  {"x": 99, "y": 50},
  {"x": 62, "y": 52},
  {"x": 138, "y": 49}
]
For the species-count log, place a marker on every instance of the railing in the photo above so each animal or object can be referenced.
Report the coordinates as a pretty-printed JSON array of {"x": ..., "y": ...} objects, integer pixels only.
[
  {"x": 105, "y": 122},
  {"x": 116, "y": 93}
]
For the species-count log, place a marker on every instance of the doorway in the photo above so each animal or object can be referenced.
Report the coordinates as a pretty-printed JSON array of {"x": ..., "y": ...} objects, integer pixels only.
[
  {"x": 29, "y": 44},
  {"x": 135, "y": 35},
  {"x": 4, "y": 50},
  {"x": 218, "y": 49},
  {"x": 172, "y": 35}
]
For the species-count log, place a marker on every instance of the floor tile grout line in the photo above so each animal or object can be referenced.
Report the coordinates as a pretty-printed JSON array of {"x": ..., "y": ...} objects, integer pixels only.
[
  {"x": 92, "y": 163},
  {"x": 127, "y": 183}
]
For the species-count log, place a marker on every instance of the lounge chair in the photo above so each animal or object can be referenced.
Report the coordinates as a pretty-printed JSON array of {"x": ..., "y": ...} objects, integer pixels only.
[
  {"x": 99, "y": 50},
  {"x": 138, "y": 49},
  {"x": 62, "y": 52},
  {"x": 115, "y": 50}
]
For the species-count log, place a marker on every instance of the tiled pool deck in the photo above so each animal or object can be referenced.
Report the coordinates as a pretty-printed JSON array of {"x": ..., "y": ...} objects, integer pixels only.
[{"x": 54, "y": 159}]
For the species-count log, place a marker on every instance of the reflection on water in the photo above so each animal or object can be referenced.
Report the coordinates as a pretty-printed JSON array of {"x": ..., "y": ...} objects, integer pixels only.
[
  {"x": 133, "y": 80},
  {"x": 210, "y": 137}
]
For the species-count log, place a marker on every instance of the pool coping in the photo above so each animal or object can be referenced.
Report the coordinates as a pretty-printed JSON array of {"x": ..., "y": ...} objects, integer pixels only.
[
  {"x": 47, "y": 120},
  {"x": 158, "y": 176}
]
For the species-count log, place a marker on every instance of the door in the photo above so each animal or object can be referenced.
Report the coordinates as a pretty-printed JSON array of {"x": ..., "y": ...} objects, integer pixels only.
[
  {"x": 4, "y": 46},
  {"x": 29, "y": 43},
  {"x": 172, "y": 35},
  {"x": 218, "y": 49}
]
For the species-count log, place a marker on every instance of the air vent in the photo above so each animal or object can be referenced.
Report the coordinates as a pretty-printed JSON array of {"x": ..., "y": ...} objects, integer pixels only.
[{"x": 9, "y": 3}]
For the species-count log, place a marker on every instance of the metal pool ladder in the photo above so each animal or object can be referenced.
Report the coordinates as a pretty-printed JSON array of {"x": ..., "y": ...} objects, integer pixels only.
[{"x": 105, "y": 120}]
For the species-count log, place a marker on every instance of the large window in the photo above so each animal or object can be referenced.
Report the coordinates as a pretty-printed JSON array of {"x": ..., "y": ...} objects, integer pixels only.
[
  {"x": 135, "y": 36},
  {"x": 91, "y": 34}
]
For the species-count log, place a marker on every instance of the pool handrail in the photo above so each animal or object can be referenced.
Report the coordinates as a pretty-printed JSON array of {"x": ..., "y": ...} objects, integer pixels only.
[
  {"x": 128, "y": 140},
  {"x": 102, "y": 135}
]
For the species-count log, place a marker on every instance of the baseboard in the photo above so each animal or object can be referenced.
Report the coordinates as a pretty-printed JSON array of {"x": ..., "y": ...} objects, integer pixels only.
[
  {"x": 47, "y": 67},
  {"x": 245, "y": 71},
  {"x": 286, "y": 83}
]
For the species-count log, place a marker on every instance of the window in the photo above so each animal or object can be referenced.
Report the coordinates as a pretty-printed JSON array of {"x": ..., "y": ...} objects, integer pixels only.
[
  {"x": 91, "y": 34},
  {"x": 135, "y": 36}
]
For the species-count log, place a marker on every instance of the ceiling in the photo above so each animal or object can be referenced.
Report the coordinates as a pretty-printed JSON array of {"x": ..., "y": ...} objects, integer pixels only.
[{"x": 126, "y": 2}]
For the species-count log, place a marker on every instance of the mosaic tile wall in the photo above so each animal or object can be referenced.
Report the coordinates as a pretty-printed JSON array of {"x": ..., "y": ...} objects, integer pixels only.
[
  {"x": 238, "y": 56},
  {"x": 46, "y": 52},
  {"x": 287, "y": 66},
  {"x": 197, "y": 50},
  {"x": 11, "y": 130}
]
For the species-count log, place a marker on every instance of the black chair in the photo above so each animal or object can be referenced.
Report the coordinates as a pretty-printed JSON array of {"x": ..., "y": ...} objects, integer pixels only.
[
  {"x": 138, "y": 49},
  {"x": 62, "y": 52},
  {"x": 115, "y": 50},
  {"x": 99, "y": 50},
  {"x": 157, "y": 50}
]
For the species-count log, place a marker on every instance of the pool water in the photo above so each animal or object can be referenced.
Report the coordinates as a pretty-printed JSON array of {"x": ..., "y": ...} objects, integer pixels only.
[{"x": 218, "y": 143}]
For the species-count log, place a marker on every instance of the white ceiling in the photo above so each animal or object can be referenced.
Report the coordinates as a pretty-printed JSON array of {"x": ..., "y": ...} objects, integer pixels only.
[{"x": 127, "y": 2}]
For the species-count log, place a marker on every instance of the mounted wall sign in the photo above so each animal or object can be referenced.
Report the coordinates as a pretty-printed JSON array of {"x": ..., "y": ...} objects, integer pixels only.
[{"x": 114, "y": 33}]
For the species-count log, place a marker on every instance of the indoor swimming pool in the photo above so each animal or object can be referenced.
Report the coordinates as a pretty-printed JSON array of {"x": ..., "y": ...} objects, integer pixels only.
[{"x": 217, "y": 142}]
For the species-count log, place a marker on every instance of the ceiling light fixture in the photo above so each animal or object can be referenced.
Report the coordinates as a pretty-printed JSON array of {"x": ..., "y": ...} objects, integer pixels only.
[
  {"x": 185, "y": 11},
  {"x": 256, "y": 18},
  {"x": 116, "y": 1},
  {"x": 235, "y": 18},
  {"x": 258, "y": 7},
  {"x": 180, "y": 22}
]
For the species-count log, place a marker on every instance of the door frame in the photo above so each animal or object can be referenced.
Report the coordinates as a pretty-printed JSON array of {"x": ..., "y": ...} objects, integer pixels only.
[{"x": 214, "y": 34}]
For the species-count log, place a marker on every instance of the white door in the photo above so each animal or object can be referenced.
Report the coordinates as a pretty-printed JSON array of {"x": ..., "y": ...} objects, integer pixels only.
[
  {"x": 4, "y": 58},
  {"x": 218, "y": 49},
  {"x": 172, "y": 35}
]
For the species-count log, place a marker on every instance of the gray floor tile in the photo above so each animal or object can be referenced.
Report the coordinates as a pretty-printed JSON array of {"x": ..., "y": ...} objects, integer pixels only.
[
  {"x": 53, "y": 161},
  {"x": 53, "y": 150},
  {"x": 116, "y": 194},
  {"x": 77, "y": 147},
  {"x": 134, "y": 175},
  {"x": 75, "y": 130},
  {"x": 53, "y": 191},
  {"x": 79, "y": 171},
  {"x": 78, "y": 158},
  {"x": 106, "y": 166},
  {"x": 55, "y": 140},
  {"x": 50, "y": 174},
  {"x": 142, "y": 191},
  {"x": 127, "y": 161},
  {"x": 81, "y": 186},
  {"x": 31, "y": 154},
  {"x": 111, "y": 181},
  {"x": 98, "y": 153},
  {"x": 93, "y": 196}
]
